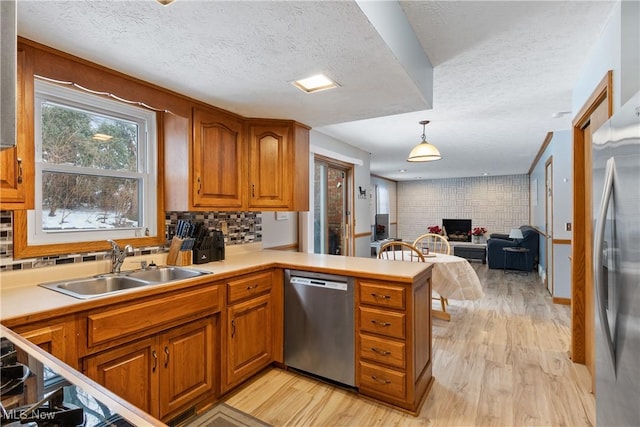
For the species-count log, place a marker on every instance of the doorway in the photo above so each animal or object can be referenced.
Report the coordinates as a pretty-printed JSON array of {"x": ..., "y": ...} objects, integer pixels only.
[{"x": 332, "y": 207}]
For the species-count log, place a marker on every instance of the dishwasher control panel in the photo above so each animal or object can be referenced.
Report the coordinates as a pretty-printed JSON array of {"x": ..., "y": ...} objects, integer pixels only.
[{"x": 306, "y": 281}]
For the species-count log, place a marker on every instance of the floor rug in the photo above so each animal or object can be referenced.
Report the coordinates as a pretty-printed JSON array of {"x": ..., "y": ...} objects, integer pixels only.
[{"x": 223, "y": 415}]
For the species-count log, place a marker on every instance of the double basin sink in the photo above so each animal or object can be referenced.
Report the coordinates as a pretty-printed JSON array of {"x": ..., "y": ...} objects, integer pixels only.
[{"x": 109, "y": 283}]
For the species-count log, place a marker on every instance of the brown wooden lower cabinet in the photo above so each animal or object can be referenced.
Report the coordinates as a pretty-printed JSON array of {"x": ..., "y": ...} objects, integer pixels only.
[
  {"x": 164, "y": 373},
  {"x": 248, "y": 339},
  {"x": 168, "y": 353},
  {"x": 56, "y": 336},
  {"x": 394, "y": 341}
]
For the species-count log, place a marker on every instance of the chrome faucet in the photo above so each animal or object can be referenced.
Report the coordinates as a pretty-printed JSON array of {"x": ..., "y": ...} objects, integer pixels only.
[{"x": 118, "y": 255}]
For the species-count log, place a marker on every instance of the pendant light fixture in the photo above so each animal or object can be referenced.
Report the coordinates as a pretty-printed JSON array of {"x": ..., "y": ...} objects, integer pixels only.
[{"x": 425, "y": 151}]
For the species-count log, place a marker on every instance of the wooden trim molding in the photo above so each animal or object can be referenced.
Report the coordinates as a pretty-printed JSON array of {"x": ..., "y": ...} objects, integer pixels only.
[
  {"x": 545, "y": 144},
  {"x": 561, "y": 241},
  {"x": 562, "y": 301},
  {"x": 359, "y": 235},
  {"x": 581, "y": 247},
  {"x": 50, "y": 63},
  {"x": 602, "y": 92}
]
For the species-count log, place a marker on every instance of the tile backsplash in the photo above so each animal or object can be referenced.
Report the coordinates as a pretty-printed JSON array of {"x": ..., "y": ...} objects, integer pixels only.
[{"x": 238, "y": 227}]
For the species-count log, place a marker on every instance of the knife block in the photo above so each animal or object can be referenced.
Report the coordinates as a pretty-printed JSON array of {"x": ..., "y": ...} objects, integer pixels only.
[
  {"x": 201, "y": 256},
  {"x": 176, "y": 256}
]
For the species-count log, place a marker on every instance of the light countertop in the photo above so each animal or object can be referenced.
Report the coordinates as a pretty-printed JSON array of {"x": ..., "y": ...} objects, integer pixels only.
[{"x": 21, "y": 296}]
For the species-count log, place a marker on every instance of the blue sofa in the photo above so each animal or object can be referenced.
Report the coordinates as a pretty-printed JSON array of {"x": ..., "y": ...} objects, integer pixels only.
[{"x": 514, "y": 261}]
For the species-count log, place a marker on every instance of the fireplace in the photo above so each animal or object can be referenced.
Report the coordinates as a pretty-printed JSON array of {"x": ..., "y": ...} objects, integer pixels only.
[{"x": 458, "y": 230}]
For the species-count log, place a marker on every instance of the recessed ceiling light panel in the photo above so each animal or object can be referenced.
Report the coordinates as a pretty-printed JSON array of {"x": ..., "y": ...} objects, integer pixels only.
[{"x": 315, "y": 83}]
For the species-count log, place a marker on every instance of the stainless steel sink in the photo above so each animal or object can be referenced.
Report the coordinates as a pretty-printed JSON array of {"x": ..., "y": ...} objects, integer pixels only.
[
  {"x": 105, "y": 284},
  {"x": 92, "y": 287},
  {"x": 166, "y": 274}
]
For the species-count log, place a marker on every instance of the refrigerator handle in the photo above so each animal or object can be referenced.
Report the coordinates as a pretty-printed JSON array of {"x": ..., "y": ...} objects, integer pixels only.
[{"x": 597, "y": 259}]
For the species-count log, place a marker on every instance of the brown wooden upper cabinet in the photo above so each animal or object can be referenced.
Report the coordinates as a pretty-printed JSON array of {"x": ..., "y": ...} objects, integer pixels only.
[
  {"x": 218, "y": 167},
  {"x": 278, "y": 165},
  {"x": 235, "y": 164},
  {"x": 16, "y": 163}
]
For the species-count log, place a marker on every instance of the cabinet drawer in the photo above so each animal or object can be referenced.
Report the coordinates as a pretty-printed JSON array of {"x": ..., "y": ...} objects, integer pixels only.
[
  {"x": 382, "y": 295},
  {"x": 383, "y": 380},
  {"x": 382, "y": 351},
  {"x": 382, "y": 322},
  {"x": 116, "y": 323},
  {"x": 248, "y": 287}
]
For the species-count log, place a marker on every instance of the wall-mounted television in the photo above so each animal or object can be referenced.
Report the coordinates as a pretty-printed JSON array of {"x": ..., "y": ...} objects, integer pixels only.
[{"x": 381, "y": 228}]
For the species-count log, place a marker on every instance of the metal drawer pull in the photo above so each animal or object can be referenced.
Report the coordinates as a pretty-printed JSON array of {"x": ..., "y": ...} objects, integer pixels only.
[
  {"x": 382, "y": 352},
  {"x": 199, "y": 185},
  {"x": 375, "y": 322},
  {"x": 166, "y": 360},
  {"x": 381, "y": 296},
  {"x": 251, "y": 287},
  {"x": 155, "y": 360},
  {"x": 380, "y": 380}
]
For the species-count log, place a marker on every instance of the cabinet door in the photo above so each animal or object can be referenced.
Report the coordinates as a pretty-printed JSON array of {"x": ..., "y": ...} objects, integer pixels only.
[
  {"x": 130, "y": 371},
  {"x": 217, "y": 160},
  {"x": 56, "y": 338},
  {"x": 16, "y": 162},
  {"x": 11, "y": 188},
  {"x": 269, "y": 167},
  {"x": 249, "y": 330},
  {"x": 188, "y": 364}
]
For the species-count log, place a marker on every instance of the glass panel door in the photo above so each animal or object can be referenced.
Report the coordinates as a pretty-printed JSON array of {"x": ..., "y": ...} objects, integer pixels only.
[{"x": 331, "y": 209}]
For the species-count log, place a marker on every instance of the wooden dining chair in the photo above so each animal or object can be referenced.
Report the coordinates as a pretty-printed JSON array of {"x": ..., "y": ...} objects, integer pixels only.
[
  {"x": 435, "y": 243},
  {"x": 431, "y": 242},
  {"x": 400, "y": 251}
]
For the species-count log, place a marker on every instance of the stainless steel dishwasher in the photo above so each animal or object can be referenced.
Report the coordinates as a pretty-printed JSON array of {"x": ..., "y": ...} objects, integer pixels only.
[{"x": 319, "y": 325}]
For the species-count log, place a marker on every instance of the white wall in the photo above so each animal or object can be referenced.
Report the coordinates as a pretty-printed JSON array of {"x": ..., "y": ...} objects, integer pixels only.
[
  {"x": 560, "y": 149},
  {"x": 332, "y": 148},
  {"x": 618, "y": 49},
  {"x": 282, "y": 232}
]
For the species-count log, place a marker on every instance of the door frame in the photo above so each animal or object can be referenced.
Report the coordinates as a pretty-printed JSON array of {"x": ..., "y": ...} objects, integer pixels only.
[
  {"x": 348, "y": 168},
  {"x": 582, "y": 264}
]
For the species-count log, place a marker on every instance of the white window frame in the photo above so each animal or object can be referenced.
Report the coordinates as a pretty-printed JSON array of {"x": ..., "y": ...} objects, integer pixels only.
[{"x": 147, "y": 165}]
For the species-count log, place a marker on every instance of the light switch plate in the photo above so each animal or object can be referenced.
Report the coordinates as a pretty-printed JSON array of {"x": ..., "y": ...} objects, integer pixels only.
[{"x": 567, "y": 226}]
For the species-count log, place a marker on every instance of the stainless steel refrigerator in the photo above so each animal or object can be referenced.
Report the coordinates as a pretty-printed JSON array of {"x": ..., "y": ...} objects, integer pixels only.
[{"x": 616, "y": 259}]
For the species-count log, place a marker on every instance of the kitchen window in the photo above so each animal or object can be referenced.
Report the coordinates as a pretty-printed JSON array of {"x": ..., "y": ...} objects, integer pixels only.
[{"x": 95, "y": 168}]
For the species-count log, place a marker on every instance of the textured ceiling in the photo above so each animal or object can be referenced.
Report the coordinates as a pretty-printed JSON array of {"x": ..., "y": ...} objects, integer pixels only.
[{"x": 500, "y": 68}]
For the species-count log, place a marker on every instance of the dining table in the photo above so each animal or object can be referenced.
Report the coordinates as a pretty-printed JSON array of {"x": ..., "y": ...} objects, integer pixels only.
[{"x": 452, "y": 277}]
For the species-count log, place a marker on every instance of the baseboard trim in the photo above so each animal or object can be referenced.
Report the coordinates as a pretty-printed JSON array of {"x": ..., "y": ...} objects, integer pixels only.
[{"x": 563, "y": 301}]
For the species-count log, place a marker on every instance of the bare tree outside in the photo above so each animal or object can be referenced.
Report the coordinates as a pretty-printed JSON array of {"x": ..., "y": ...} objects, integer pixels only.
[{"x": 91, "y": 143}]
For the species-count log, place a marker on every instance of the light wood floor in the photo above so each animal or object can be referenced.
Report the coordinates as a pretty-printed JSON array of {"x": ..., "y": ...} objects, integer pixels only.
[{"x": 501, "y": 361}]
